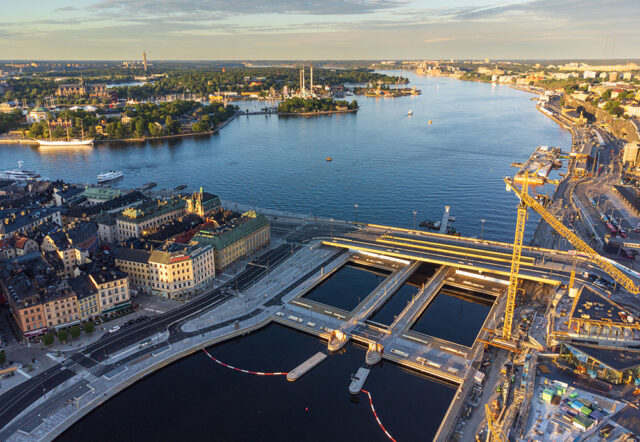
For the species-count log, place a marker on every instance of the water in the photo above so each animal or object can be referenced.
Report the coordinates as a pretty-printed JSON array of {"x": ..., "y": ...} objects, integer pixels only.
[
  {"x": 197, "y": 399},
  {"x": 453, "y": 318},
  {"x": 347, "y": 287},
  {"x": 399, "y": 300},
  {"x": 386, "y": 162}
]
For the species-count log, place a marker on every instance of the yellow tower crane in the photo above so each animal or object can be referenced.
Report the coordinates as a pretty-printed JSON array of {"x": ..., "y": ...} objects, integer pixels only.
[
  {"x": 495, "y": 433},
  {"x": 527, "y": 200}
]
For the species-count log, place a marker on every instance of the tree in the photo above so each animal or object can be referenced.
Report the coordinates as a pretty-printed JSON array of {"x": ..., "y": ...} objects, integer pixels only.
[
  {"x": 75, "y": 331},
  {"x": 59, "y": 132},
  {"x": 89, "y": 327},
  {"x": 606, "y": 94},
  {"x": 63, "y": 335},
  {"x": 47, "y": 339}
]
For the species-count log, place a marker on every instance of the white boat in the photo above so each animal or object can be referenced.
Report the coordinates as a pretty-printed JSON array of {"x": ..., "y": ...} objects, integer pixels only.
[
  {"x": 20, "y": 174},
  {"x": 410, "y": 112},
  {"x": 63, "y": 143},
  {"x": 109, "y": 176}
]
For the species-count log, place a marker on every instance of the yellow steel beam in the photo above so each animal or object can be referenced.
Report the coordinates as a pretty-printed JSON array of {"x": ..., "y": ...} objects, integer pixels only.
[
  {"x": 465, "y": 250},
  {"x": 578, "y": 243}
]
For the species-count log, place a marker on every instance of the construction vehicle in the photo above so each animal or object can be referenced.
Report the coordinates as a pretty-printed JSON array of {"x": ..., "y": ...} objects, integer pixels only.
[{"x": 526, "y": 201}]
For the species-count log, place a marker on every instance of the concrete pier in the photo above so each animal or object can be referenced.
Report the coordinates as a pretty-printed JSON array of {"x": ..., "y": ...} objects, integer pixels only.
[{"x": 307, "y": 365}]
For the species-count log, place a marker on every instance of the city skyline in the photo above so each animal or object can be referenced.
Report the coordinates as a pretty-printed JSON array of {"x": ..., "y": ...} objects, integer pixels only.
[{"x": 340, "y": 29}]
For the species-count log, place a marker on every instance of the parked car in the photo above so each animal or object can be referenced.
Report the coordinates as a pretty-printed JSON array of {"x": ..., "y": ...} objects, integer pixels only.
[{"x": 114, "y": 329}]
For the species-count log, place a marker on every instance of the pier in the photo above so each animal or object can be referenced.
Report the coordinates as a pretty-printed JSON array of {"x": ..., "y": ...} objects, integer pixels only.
[{"x": 307, "y": 365}]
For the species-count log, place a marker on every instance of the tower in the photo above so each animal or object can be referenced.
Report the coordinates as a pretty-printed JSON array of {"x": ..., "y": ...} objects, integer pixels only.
[
  {"x": 303, "y": 92},
  {"x": 311, "y": 75},
  {"x": 144, "y": 60}
]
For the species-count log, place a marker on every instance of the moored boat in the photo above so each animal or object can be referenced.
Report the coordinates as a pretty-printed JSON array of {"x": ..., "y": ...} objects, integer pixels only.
[{"x": 109, "y": 176}]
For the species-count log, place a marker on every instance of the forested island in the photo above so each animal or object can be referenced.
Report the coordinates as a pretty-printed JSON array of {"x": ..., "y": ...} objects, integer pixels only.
[
  {"x": 136, "y": 122},
  {"x": 298, "y": 105}
]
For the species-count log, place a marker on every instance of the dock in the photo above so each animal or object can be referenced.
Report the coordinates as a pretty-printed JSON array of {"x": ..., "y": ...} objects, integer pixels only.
[
  {"x": 537, "y": 168},
  {"x": 444, "y": 224},
  {"x": 357, "y": 380},
  {"x": 307, "y": 365}
]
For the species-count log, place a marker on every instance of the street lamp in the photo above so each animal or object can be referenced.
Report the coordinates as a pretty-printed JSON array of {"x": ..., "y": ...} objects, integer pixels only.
[
  {"x": 482, "y": 220},
  {"x": 415, "y": 212},
  {"x": 356, "y": 206},
  {"x": 331, "y": 226}
]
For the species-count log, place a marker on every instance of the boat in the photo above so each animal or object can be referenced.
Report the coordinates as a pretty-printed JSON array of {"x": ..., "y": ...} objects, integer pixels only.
[
  {"x": 63, "y": 143},
  {"x": 110, "y": 176},
  {"x": 20, "y": 174},
  {"x": 180, "y": 187},
  {"x": 358, "y": 379},
  {"x": 149, "y": 185},
  {"x": 433, "y": 225},
  {"x": 410, "y": 112},
  {"x": 329, "y": 159}
]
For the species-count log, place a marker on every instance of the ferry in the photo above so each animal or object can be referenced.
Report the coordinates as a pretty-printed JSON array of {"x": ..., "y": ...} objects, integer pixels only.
[
  {"x": 110, "y": 176},
  {"x": 65, "y": 143},
  {"x": 410, "y": 112},
  {"x": 20, "y": 174}
]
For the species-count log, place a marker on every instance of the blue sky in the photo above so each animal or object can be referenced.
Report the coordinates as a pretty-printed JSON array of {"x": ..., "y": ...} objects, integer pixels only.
[{"x": 318, "y": 29}]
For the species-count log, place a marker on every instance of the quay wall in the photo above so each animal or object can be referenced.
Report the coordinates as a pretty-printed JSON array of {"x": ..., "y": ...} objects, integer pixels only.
[{"x": 167, "y": 360}]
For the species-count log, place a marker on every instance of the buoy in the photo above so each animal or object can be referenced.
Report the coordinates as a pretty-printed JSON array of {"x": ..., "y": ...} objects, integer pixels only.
[
  {"x": 306, "y": 408},
  {"x": 429, "y": 121}
]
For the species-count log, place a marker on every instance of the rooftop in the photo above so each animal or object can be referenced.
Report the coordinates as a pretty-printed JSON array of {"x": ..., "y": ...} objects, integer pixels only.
[
  {"x": 616, "y": 358},
  {"x": 590, "y": 305},
  {"x": 232, "y": 231},
  {"x": 151, "y": 209},
  {"x": 101, "y": 193}
]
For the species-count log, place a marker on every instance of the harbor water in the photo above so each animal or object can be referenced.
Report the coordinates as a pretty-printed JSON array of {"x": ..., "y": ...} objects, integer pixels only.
[
  {"x": 197, "y": 399},
  {"x": 387, "y": 162}
]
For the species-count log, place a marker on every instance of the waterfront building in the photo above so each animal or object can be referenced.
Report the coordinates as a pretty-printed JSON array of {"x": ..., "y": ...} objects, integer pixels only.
[
  {"x": 134, "y": 222},
  {"x": 97, "y": 195},
  {"x": 237, "y": 238},
  {"x": 202, "y": 203}
]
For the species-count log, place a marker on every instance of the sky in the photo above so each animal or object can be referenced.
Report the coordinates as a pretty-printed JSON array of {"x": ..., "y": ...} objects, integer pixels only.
[{"x": 318, "y": 29}]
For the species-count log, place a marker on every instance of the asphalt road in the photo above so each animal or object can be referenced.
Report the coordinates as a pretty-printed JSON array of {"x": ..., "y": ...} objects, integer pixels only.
[{"x": 14, "y": 401}]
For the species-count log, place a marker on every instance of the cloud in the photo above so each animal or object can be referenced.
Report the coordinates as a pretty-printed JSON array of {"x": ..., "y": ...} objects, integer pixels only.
[
  {"x": 437, "y": 39},
  {"x": 65, "y": 9},
  {"x": 245, "y": 7}
]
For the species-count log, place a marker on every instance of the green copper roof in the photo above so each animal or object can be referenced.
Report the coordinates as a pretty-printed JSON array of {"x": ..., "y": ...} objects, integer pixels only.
[
  {"x": 100, "y": 193},
  {"x": 228, "y": 234}
]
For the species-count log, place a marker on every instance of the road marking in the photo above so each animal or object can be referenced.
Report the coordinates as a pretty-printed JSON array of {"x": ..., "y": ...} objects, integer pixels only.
[
  {"x": 155, "y": 311},
  {"x": 19, "y": 370}
]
